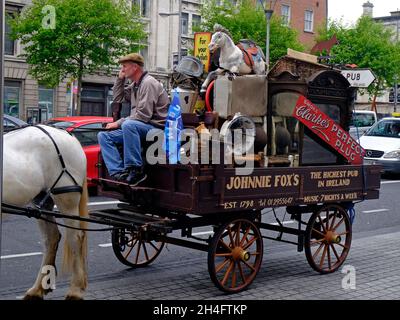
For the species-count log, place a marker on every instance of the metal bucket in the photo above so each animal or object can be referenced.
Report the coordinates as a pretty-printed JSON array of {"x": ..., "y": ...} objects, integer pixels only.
[{"x": 187, "y": 99}]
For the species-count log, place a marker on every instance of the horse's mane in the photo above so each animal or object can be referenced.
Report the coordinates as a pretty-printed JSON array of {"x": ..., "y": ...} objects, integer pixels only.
[{"x": 220, "y": 28}]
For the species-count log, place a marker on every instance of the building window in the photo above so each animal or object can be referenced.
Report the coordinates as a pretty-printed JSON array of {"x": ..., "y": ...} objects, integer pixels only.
[
  {"x": 196, "y": 21},
  {"x": 308, "y": 20},
  {"x": 185, "y": 23},
  {"x": 9, "y": 44},
  {"x": 46, "y": 102},
  {"x": 184, "y": 53},
  {"x": 12, "y": 98},
  {"x": 144, "y": 7},
  {"x": 285, "y": 13},
  {"x": 391, "y": 94}
]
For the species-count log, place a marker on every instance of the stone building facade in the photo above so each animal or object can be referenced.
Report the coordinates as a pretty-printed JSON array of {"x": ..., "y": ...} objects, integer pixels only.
[
  {"x": 23, "y": 96},
  {"x": 27, "y": 100}
]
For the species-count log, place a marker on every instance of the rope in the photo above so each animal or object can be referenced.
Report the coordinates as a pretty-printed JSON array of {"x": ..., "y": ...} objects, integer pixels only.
[
  {"x": 364, "y": 176},
  {"x": 351, "y": 211},
  {"x": 352, "y": 214},
  {"x": 208, "y": 96},
  {"x": 69, "y": 227}
]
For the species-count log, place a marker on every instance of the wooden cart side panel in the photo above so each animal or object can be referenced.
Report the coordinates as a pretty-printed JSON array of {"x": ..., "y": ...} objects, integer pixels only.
[
  {"x": 275, "y": 187},
  {"x": 199, "y": 190},
  {"x": 174, "y": 186}
]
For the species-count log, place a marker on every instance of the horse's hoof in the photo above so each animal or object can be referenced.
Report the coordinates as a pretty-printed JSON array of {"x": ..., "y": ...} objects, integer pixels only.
[{"x": 29, "y": 297}]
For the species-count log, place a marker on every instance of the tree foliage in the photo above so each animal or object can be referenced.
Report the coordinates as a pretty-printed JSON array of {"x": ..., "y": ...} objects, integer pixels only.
[
  {"x": 247, "y": 21},
  {"x": 368, "y": 44},
  {"x": 88, "y": 35}
]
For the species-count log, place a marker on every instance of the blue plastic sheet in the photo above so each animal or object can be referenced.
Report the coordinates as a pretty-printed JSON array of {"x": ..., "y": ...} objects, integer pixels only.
[{"x": 173, "y": 128}]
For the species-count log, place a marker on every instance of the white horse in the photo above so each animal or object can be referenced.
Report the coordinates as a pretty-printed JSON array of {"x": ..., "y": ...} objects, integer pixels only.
[
  {"x": 231, "y": 57},
  {"x": 31, "y": 167}
]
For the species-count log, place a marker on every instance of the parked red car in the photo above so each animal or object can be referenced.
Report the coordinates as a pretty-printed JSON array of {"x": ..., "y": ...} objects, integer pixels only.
[{"x": 79, "y": 126}]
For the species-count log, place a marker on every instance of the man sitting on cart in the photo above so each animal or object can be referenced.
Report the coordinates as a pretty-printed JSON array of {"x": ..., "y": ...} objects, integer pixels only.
[{"x": 149, "y": 105}]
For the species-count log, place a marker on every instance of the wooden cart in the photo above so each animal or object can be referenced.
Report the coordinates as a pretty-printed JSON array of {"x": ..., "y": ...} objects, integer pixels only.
[{"x": 318, "y": 191}]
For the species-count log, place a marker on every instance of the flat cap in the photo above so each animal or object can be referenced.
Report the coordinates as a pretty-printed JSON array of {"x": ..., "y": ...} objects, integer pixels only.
[{"x": 133, "y": 57}]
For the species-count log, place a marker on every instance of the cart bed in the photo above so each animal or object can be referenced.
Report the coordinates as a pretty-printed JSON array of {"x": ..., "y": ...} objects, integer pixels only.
[{"x": 204, "y": 190}]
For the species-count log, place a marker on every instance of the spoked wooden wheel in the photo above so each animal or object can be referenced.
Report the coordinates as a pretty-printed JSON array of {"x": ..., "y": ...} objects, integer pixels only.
[
  {"x": 328, "y": 238},
  {"x": 132, "y": 250},
  {"x": 235, "y": 255}
]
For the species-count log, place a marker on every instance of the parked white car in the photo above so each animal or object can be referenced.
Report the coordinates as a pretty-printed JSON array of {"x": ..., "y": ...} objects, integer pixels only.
[
  {"x": 361, "y": 121},
  {"x": 382, "y": 144}
]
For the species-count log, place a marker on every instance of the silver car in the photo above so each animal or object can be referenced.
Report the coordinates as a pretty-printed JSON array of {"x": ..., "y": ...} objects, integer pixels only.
[
  {"x": 382, "y": 144},
  {"x": 361, "y": 121}
]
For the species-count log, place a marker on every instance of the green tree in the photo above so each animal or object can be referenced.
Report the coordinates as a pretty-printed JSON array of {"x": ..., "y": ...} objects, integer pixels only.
[
  {"x": 72, "y": 38},
  {"x": 247, "y": 21},
  {"x": 368, "y": 44}
]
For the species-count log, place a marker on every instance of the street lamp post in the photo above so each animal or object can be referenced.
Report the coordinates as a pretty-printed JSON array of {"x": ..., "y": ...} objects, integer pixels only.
[
  {"x": 396, "y": 91},
  {"x": 268, "y": 16},
  {"x": 179, "y": 14}
]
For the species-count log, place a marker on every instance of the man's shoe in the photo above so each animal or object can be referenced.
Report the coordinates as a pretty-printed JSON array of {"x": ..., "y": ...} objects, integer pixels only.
[
  {"x": 136, "y": 176},
  {"x": 120, "y": 176}
]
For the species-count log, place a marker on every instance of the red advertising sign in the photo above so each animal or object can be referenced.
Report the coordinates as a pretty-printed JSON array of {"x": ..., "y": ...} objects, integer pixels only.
[{"x": 328, "y": 130}]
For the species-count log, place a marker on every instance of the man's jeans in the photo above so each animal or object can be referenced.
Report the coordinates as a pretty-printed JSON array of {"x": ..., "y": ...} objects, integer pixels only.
[{"x": 131, "y": 135}]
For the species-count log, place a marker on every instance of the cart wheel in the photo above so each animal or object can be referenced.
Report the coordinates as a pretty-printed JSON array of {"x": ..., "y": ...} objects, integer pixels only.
[
  {"x": 235, "y": 255},
  {"x": 328, "y": 238},
  {"x": 133, "y": 251}
]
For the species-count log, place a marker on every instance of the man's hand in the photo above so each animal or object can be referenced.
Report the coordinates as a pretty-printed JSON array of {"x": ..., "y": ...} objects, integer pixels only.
[
  {"x": 121, "y": 74},
  {"x": 112, "y": 125}
]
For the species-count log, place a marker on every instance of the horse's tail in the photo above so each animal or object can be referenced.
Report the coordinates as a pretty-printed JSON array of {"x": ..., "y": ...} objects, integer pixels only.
[{"x": 68, "y": 254}]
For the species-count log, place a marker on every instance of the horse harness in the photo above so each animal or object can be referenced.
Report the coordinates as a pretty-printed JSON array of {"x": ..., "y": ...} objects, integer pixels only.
[{"x": 53, "y": 190}]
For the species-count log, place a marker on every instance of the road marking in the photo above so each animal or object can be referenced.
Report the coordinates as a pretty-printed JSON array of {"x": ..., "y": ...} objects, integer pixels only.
[
  {"x": 101, "y": 203},
  {"x": 105, "y": 245},
  {"x": 11, "y": 256},
  {"x": 390, "y": 182},
  {"x": 202, "y": 233},
  {"x": 284, "y": 222},
  {"x": 375, "y": 211}
]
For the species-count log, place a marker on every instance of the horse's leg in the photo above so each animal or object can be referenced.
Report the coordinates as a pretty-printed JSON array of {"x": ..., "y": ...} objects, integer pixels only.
[
  {"x": 51, "y": 237},
  {"x": 206, "y": 83},
  {"x": 75, "y": 246},
  {"x": 211, "y": 76}
]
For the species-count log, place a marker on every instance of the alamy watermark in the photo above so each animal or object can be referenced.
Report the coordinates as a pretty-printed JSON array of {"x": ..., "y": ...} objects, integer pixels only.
[
  {"x": 49, "y": 278},
  {"x": 349, "y": 280},
  {"x": 235, "y": 148},
  {"x": 49, "y": 19}
]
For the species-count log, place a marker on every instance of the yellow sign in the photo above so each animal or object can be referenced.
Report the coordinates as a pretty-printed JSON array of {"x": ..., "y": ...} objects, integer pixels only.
[{"x": 201, "y": 51}]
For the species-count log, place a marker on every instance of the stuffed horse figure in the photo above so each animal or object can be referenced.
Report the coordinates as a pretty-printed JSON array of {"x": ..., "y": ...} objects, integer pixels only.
[
  {"x": 232, "y": 58},
  {"x": 33, "y": 168}
]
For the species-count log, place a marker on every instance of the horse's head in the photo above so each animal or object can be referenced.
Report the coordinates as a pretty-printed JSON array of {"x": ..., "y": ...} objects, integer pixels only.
[{"x": 217, "y": 41}]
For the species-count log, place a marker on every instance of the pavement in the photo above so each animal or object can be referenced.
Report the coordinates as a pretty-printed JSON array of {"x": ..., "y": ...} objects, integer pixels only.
[{"x": 373, "y": 262}]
